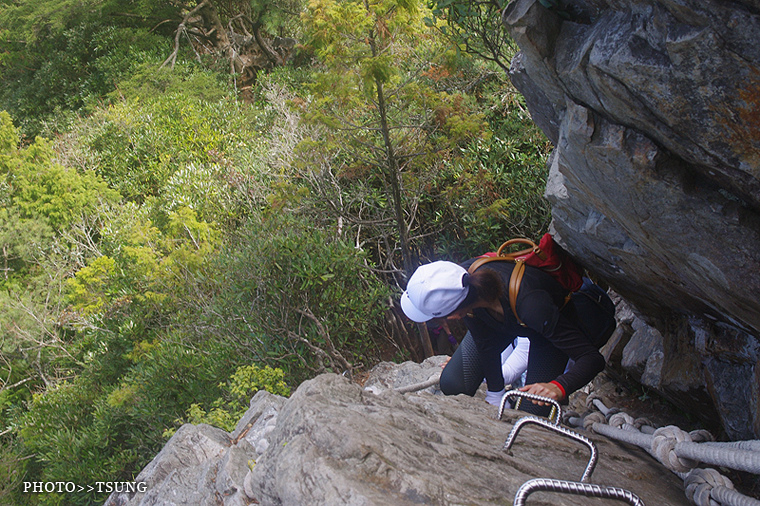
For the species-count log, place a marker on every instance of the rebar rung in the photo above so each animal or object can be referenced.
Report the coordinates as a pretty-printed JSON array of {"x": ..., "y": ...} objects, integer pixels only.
[
  {"x": 555, "y": 415},
  {"x": 565, "y": 432},
  {"x": 572, "y": 487}
]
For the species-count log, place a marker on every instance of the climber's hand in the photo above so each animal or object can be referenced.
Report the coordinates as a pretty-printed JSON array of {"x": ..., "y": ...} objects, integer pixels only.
[{"x": 549, "y": 390}]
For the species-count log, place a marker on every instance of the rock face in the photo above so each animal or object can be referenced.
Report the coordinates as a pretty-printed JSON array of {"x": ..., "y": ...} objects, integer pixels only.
[
  {"x": 336, "y": 443},
  {"x": 654, "y": 111}
]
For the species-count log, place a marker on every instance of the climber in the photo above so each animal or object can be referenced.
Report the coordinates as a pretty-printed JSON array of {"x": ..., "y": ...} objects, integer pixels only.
[{"x": 446, "y": 290}]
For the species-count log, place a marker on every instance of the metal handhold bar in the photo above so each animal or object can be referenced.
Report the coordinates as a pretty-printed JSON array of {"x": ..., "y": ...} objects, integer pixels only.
[
  {"x": 555, "y": 415},
  {"x": 566, "y": 432},
  {"x": 572, "y": 487}
]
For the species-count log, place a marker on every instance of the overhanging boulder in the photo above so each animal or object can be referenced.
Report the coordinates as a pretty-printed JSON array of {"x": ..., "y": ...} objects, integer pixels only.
[{"x": 655, "y": 177}]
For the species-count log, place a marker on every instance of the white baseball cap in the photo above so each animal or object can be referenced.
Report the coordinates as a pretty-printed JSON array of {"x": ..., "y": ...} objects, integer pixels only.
[{"x": 434, "y": 290}]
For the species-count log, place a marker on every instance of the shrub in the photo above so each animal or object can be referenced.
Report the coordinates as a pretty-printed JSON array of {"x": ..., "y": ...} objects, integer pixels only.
[
  {"x": 242, "y": 385},
  {"x": 12, "y": 467},
  {"x": 106, "y": 427},
  {"x": 148, "y": 80},
  {"x": 40, "y": 198},
  {"x": 142, "y": 146},
  {"x": 297, "y": 297},
  {"x": 494, "y": 191},
  {"x": 71, "y": 67}
]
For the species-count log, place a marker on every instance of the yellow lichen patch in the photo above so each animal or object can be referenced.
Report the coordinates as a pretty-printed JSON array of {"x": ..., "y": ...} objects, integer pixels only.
[{"x": 742, "y": 122}]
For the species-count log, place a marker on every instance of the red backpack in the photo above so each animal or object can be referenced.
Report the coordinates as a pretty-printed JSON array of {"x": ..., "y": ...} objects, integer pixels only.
[{"x": 547, "y": 256}]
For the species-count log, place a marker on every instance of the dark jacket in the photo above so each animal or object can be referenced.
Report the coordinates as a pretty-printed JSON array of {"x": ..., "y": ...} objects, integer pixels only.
[{"x": 541, "y": 306}]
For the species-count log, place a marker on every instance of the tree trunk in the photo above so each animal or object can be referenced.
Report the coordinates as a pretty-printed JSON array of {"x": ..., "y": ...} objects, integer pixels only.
[
  {"x": 273, "y": 55},
  {"x": 220, "y": 39},
  {"x": 393, "y": 176}
]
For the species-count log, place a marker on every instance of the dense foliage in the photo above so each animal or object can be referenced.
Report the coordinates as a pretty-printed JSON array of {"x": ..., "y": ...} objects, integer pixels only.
[{"x": 171, "y": 243}]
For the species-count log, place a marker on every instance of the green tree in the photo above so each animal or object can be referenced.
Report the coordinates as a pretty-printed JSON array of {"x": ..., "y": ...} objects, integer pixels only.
[
  {"x": 153, "y": 149},
  {"x": 226, "y": 411},
  {"x": 40, "y": 197},
  {"x": 476, "y": 27},
  {"x": 294, "y": 296},
  {"x": 39, "y": 187},
  {"x": 22, "y": 240},
  {"x": 386, "y": 131},
  {"x": 11, "y": 471},
  {"x": 389, "y": 119},
  {"x": 62, "y": 56},
  {"x": 130, "y": 372},
  {"x": 494, "y": 191}
]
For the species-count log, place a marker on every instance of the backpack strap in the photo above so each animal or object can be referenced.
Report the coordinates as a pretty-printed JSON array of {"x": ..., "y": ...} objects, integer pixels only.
[
  {"x": 509, "y": 257},
  {"x": 514, "y": 287},
  {"x": 483, "y": 260},
  {"x": 514, "y": 280},
  {"x": 533, "y": 248},
  {"x": 519, "y": 270}
]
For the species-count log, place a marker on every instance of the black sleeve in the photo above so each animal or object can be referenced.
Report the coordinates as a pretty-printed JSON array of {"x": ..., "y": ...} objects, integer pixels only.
[
  {"x": 568, "y": 338},
  {"x": 539, "y": 309}
]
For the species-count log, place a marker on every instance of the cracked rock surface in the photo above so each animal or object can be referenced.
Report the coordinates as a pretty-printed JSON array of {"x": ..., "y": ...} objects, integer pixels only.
[{"x": 334, "y": 442}]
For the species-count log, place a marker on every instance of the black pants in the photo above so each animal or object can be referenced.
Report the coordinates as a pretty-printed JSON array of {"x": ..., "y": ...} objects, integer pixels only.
[{"x": 464, "y": 373}]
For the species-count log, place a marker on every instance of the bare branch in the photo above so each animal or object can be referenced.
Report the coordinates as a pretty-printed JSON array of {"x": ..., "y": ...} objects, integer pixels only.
[
  {"x": 159, "y": 24},
  {"x": 180, "y": 30},
  {"x": 16, "y": 384},
  {"x": 334, "y": 354}
]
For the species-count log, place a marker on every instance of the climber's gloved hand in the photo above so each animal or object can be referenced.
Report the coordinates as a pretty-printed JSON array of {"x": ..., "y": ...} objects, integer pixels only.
[{"x": 494, "y": 398}]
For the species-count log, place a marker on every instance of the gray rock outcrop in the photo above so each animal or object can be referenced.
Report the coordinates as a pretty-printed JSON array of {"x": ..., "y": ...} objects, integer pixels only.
[
  {"x": 652, "y": 106},
  {"x": 336, "y": 443}
]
